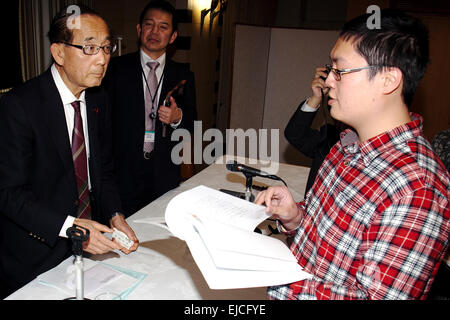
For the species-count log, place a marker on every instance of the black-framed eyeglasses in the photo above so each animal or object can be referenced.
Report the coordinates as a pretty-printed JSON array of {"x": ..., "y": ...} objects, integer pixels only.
[
  {"x": 92, "y": 49},
  {"x": 337, "y": 73}
]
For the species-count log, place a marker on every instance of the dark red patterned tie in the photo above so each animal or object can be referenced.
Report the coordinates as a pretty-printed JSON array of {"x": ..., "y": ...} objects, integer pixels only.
[{"x": 80, "y": 164}]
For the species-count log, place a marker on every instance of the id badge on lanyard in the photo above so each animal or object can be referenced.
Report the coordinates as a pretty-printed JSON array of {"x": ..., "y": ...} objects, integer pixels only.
[{"x": 149, "y": 136}]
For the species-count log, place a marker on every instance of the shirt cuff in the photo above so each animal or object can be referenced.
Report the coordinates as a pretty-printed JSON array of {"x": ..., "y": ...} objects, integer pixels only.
[
  {"x": 307, "y": 108},
  {"x": 67, "y": 224},
  {"x": 117, "y": 214},
  {"x": 175, "y": 125}
]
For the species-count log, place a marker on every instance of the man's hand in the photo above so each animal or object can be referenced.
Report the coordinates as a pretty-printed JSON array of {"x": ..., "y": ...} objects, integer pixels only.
[
  {"x": 120, "y": 224},
  {"x": 279, "y": 202},
  {"x": 318, "y": 86},
  {"x": 97, "y": 242},
  {"x": 170, "y": 114}
]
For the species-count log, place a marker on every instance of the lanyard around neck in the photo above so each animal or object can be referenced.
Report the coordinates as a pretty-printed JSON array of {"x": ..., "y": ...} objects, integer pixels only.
[{"x": 157, "y": 88}]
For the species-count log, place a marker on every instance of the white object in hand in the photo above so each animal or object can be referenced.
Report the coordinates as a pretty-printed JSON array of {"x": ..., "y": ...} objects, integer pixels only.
[{"x": 122, "y": 238}]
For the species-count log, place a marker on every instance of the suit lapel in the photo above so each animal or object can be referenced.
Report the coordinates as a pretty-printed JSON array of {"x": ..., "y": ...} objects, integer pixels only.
[
  {"x": 136, "y": 74},
  {"x": 56, "y": 121}
]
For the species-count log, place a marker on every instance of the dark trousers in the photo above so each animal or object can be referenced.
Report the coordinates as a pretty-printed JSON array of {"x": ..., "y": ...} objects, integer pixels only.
[
  {"x": 146, "y": 188},
  {"x": 440, "y": 289}
]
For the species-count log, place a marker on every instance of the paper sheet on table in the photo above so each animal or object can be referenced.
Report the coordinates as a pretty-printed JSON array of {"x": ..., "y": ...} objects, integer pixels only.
[{"x": 98, "y": 278}]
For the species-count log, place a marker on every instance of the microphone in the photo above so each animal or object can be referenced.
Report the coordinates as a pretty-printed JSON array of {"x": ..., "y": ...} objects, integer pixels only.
[{"x": 235, "y": 166}]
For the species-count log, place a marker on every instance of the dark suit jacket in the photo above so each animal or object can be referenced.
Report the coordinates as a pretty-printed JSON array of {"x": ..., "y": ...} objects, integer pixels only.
[
  {"x": 37, "y": 179},
  {"x": 125, "y": 87},
  {"x": 314, "y": 144}
]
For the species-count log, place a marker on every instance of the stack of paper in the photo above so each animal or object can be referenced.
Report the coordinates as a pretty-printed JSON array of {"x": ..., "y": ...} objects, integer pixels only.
[{"x": 219, "y": 230}]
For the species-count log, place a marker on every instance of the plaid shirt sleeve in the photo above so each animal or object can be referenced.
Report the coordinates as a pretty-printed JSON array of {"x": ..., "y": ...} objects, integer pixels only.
[
  {"x": 376, "y": 222},
  {"x": 403, "y": 247}
]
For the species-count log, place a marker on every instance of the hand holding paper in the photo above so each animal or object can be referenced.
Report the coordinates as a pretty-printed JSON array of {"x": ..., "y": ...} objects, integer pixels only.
[
  {"x": 118, "y": 222},
  {"x": 218, "y": 228},
  {"x": 280, "y": 203}
]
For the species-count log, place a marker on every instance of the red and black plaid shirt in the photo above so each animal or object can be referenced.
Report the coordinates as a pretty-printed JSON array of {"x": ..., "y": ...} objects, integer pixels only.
[{"x": 376, "y": 221}]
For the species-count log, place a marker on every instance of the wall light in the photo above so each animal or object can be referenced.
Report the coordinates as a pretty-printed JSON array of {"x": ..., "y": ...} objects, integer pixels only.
[{"x": 213, "y": 13}]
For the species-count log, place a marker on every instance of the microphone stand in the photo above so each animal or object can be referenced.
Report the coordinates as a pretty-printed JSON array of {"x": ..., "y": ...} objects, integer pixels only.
[
  {"x": 248, "y": 186},
  {"x": 248, "y": 195},
  {"x": 78, "y": 235},
  {"x": 249, "y": 174}
]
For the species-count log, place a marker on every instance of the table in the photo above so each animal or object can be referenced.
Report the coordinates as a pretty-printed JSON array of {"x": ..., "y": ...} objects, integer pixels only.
[{"x": 171, "y": 271}]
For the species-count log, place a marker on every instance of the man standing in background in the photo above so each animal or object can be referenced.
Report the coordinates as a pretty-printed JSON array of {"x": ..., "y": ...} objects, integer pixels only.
[{"x": 143, "y": 119}]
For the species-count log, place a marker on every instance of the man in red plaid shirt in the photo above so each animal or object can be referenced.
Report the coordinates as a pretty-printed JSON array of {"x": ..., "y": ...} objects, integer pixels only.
[{"x": 375, "y": 224}]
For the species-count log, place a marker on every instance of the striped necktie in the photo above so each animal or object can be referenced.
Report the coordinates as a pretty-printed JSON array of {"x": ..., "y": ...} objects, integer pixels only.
[
  {"x": 150, "y": 100},
  {"x": 80, "y": 164}
]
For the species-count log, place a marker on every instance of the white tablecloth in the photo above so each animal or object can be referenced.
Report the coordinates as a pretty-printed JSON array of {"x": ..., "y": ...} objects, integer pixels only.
[{"x": 170, "y": 268}]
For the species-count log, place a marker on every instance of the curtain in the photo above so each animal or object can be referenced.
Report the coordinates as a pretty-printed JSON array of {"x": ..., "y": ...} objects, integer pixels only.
[{"x": 35, "y": 17}]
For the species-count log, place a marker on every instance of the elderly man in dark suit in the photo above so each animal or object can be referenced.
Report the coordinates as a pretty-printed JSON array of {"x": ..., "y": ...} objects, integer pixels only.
[
  {"x": 144, "y": 117},
  {"x": 55, "y": 156}
]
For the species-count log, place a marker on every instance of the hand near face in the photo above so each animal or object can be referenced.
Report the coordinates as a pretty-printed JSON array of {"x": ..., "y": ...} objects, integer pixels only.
[
  {"x": 318, "y": 84},
  {"x": 318, "y": 87}
]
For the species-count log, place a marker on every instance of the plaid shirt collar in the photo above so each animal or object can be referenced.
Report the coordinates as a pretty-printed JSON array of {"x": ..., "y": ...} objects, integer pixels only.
[{"x": 372, "y": 148}]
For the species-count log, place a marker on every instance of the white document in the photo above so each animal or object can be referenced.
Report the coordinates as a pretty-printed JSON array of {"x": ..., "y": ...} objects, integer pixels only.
[{"x": 218, "y": 228}]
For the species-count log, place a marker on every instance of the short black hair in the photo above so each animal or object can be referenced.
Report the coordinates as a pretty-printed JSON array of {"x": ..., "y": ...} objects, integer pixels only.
[
  {"x": 59, "y": 31},
  {"x": 402, "y": 41},
  {"x": 163, "y": 6}
]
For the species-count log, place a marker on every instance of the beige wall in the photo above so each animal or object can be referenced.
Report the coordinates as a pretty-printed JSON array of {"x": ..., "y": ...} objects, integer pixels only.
[
  {"x": 272, "y": 73},
  {"x": 294, "y": 56},
  {"x": 252, "y": 46}
]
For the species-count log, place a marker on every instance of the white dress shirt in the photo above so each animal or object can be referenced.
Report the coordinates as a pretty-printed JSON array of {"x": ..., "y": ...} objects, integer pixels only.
[
  {"x": 307, "y": 108},
  {"x": 67, "y": 98}
]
